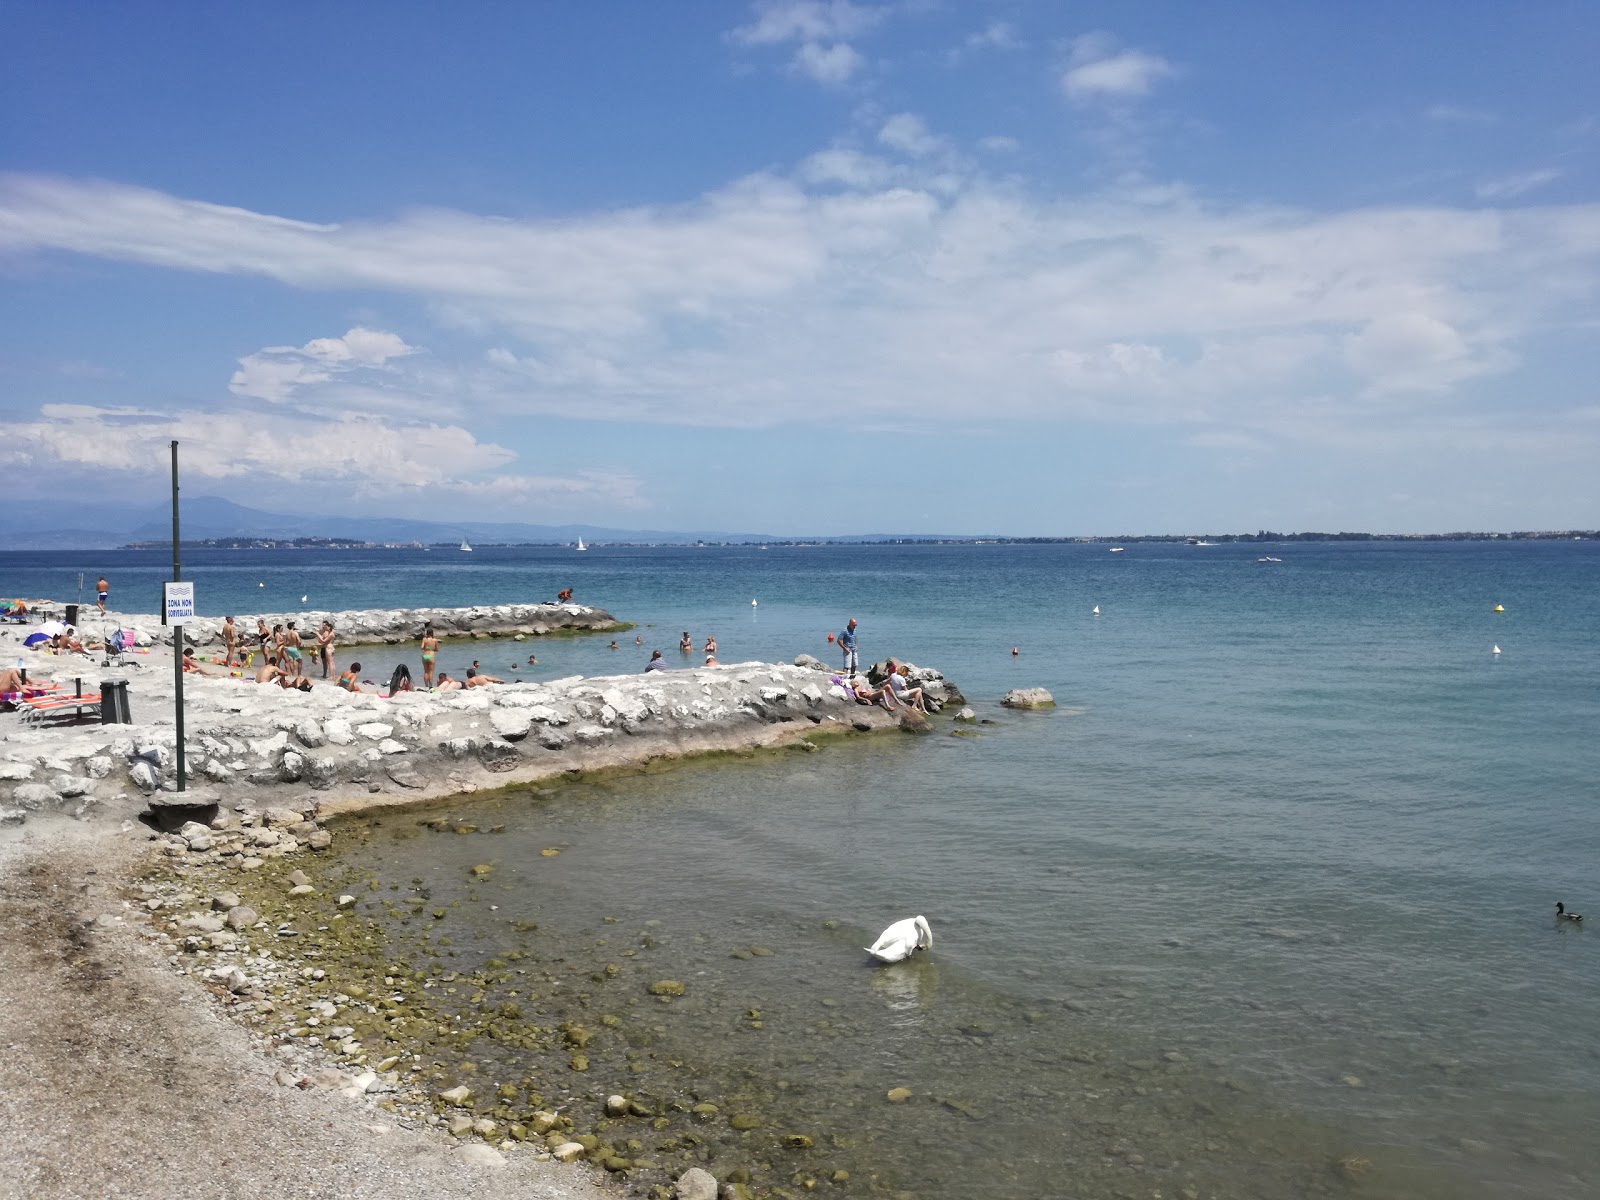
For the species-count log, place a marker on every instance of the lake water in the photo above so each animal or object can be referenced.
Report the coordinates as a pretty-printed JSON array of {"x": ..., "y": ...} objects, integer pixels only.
[{"x": 1264, "y": 909}]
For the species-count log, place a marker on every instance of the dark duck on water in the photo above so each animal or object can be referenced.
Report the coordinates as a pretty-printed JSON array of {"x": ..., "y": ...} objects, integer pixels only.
[{"x": 1563, "y": 915}]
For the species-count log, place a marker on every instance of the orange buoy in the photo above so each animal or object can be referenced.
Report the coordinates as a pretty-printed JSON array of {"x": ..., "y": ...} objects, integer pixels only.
[
  {"x": 1015, "y": 652},
  {"x": 830, "y": 637}
]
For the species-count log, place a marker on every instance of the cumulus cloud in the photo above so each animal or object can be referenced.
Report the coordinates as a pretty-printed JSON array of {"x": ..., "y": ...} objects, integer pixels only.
[
  {"x": 901, "y": 294},
  {"x": 1410, "y": 351},
  {"x": 823, "y": 29},
  {"x": 278, "y": 374},
  {"x": 832, "y": 65},
  {"x": 779, "y": 21},
  {"x": 364, "y": 455},
  {"x": 908, "y": 132},
  {"x": 1097, "y": 70}
]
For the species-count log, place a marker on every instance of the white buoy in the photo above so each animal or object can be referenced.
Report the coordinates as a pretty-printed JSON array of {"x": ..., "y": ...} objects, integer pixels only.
[
  {"x": 752, "y": 604},
  {"x": 303, "y": 599},
  {"x": 1097, "y": 610},
  {"x": 261, "y": 585},
  {"x": 1496, "y": 650}
]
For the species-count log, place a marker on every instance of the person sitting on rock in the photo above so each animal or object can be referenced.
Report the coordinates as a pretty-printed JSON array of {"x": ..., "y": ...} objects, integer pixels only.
[
  {"x": 268, "y": 671},
  {"x": 900, "y": 684},
  {"x": 711, "y": 661},
  {"x": 446, "y": 684},
  {"x": 476, "y": 678},
  {"x": 191, "y": 665},
  {"x": 656, "y": 663},
  {"x": 564, "y": 596},
  {"x": 400, "y": 681},
  {"x": 350, "y": 681}
]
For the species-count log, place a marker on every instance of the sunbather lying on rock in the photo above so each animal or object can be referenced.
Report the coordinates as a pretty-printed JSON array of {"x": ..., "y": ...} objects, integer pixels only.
[{"x": 869, "y": 695}]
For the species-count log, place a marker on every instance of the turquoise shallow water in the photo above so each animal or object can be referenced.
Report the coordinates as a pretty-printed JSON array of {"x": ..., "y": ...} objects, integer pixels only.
[{"x": 1294, "y": 825}]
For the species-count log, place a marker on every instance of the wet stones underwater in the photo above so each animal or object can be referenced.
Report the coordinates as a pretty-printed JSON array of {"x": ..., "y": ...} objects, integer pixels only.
[{"x": 650, "y": 1048}]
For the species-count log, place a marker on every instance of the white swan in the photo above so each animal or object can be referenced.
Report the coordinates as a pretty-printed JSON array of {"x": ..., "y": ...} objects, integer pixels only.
[{"x": 902, "y": 939}]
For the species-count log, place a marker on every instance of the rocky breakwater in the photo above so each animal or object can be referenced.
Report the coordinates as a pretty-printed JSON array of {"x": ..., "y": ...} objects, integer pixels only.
[
  {"x": 392, "y": 626},
  {"x": 246, "y": 742}
]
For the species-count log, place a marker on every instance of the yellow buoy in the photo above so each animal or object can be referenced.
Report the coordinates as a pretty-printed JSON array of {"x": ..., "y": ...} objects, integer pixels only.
[{"x": 1499, "y": 608}]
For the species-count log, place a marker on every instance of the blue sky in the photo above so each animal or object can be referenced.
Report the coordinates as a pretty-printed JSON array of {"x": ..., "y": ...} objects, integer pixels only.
[{"x": 810, "y": 267}]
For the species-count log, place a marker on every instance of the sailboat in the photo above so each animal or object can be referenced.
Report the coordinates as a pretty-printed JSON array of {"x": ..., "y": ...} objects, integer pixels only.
[
  {"x": 465, "y": 545},
  {"x": 581, "y": 546}
]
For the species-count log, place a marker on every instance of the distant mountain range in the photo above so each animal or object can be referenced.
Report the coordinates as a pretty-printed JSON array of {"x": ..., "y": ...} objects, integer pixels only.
[{"x": 47, "y": 525}]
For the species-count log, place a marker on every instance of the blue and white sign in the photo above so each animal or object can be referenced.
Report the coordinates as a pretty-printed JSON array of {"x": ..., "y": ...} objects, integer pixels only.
[{"x": 179, "y": 603}]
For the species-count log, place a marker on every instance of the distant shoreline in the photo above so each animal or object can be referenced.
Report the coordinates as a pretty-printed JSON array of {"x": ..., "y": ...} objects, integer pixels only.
[{"x": 1263, "y": 536}]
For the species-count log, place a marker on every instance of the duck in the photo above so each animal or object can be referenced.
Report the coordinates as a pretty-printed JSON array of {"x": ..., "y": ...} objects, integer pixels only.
[
  {"x": 1561, "y": 915},
  {"x": 902, "y": 939}
]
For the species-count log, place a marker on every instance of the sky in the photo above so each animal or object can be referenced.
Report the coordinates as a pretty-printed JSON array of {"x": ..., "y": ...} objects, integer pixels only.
[{"x": 809, "y": 266}]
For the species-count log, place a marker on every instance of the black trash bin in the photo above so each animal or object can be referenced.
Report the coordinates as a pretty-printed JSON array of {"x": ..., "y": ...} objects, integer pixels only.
[
  {"x": 114, "y": 702},
  {"x": 72, "y": 615}
]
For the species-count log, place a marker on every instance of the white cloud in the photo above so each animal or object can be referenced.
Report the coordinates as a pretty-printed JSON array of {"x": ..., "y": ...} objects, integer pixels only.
[
  {"x": 278, "y": 374},
  {"x": 1410, "y": 351},
  {"x": 779, "y": 21},
  {"x": 901, "y": 295},
  {"x": 1096, "y": 70},
  {"x": 832, "y": 65},
  {"x": 997, "y": 35},
  {"x": 365, "y": 456},
  {"x": 909, "y": 133},
  {"x": 848, "y": 167},
  {"x": 229, "y": 445},
  {"x": 1508, "y": 187}
]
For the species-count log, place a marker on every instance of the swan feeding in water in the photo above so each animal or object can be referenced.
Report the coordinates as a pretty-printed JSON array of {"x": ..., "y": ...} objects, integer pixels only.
[{"x": 902, "y": 939}]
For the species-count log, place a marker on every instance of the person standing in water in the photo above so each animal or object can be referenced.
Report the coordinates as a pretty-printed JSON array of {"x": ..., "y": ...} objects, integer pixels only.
[
  {"x": 686, "y": 643},
  {"x": 325, "y": 648},
  {"x": 430, "y": 649},
  {"x": 291, "y": 648}
]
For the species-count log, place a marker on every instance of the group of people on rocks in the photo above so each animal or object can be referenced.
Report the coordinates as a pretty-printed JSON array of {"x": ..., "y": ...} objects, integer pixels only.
[
  {"x": 282, "y": 648},
  {"x": 284, "y": 651}
]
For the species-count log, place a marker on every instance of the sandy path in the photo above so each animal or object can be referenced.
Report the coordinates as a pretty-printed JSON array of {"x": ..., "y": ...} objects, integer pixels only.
[{"x": 119, "y": 1078}]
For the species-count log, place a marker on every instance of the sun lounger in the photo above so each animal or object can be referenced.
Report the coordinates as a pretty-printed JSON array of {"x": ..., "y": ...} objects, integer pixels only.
[{"x": 42, "y": 708}]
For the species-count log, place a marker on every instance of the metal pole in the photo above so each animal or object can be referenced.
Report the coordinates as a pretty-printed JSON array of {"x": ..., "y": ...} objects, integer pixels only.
[{"x": 177, "y": 630}]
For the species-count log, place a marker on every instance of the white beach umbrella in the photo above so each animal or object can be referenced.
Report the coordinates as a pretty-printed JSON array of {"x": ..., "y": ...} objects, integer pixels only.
[{"x": 51, "y": 628}]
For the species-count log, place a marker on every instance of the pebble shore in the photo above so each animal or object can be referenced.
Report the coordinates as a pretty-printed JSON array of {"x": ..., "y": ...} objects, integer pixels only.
[{"x": 231, "y": 903}]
